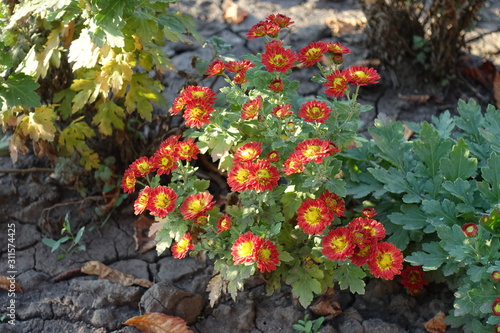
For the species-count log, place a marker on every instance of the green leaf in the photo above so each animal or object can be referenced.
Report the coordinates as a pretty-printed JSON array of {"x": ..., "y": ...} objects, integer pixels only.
[
  {"x": 74, "y": 135},
  {"x": 431, "y": 148},
  {"x": 19, "y": 89},
  {"x": 462, "y": 190},
  {"x": 350, "y": 276},
  {"x": 395, "y": 181},
  {"x": 411, "y": 218},
  {"x": 143, "y": 92},
  {"x": 389, "y": 138},
  {"x": 79, "y": 235},
  {"x": 444, "y": 124},
  {"x": 304, "y": 282},
  {"x": 440, "y": 213},
  {"x": 109, "y": 115},
  {"x": 430, "y": 258},
  {"x": 459, "y": 165},
  {"x": 490, "y": 188},
  {"x": 471, "y": 119}
]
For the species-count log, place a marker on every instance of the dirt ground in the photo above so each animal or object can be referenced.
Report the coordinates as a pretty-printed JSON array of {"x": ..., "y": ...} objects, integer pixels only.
[{"x": 34, "y": 202}]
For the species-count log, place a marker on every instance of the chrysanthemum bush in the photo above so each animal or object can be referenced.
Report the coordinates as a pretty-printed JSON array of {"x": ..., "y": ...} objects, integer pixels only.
[
  {"x": 438, "y": 196},
  {"x": 279, "y": 154}
]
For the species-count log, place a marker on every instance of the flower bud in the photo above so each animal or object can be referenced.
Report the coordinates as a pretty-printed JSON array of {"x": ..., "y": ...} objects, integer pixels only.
[
  {"x": 495, "y": 275},
  {"x": 470, "y": 229}
]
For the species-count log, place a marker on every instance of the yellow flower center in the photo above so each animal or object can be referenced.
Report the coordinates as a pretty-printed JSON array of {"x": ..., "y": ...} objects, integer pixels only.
[
  {"x": 313, "y": 53},
  {"x": 143, "y": 167},
  {"x": 339, "y": 243},
  {"x": 313, "y": 215},
  {"x": 264, "y": 254},
  {"x": 262, "y": 174},
  {"x": 361, "y": 74},
  {"x": 196, "y": 206},
  {"x": 198, "y": 94},
  {"x": 162, "y": 200},
  {"x": 384, "y": 261},
  {"x": 242, "y": 175},
  {"x": 245, "y": 249},
  {"x": 312, "y": 151}
]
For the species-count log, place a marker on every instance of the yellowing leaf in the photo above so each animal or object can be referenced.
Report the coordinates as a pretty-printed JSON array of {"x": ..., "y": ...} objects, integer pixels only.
[
  {"x": 74, "y": 135},
  {"x": 117, "y": 71},
  {"x": 89, "y": 158},
  {"x": 45, "y": 56},
  {"x": 159, "y": 323},
  {"x": 113, "y": 275},
  {"x": 142, "y": 93},
  {"x": 39, "y": 125},
  {"x": 109, "y": 115},
  {"x": 83, "y": 52},
  {"x": 16, "y": 146},
  {"x": 88, "y": 89}
]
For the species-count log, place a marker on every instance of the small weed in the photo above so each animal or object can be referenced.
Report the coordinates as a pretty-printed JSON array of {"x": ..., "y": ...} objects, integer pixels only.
[
  {"x": 308, "y": 326},
  {"x": 68, "y": 237}
]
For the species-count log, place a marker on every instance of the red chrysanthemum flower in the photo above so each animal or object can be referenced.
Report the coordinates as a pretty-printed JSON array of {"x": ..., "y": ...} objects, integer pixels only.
[
  {"x": 198, "y": 113},
  {"x": 161, "y": 201},
  {"x": 273, "y": 156},
  {"x": 244, "y": 249},
  {"x": 495, "y": 275},
  {"x": 165, "y": 160},
  {"x": 336, "y": 83},
  {"x": 263, "y": 28},
  {"x": 312, "y": 53},
  {"x": 223, "y": 223},
  {"x": 187, "y": 150},
  {"x": 180, "y": 248},
  {"x": 282, "y": 110},
  {"x": 314, "y": 150},
  {"x": 197, "y": 93},
  {"x": 338, "y": 244},
  {"x": 337, "y": 51},
  {"x": 248, "y": 152},
  {"x": 178, "y": 104},
  {"x": 293, "y": 164},
  {"x": 281, "y": 20},
  {"x": 362, "y": 76},
  {"x": 238, "y": 66},
  {"x": 497, "y": 328},
  {"x": 315, "y": 111},
  {"x": 334, "y": 203},
  {"x": 374, "y": 229},
  {"x": 196, "y": 205},
  {"x": 360, "y": 256},
  {"x": 278, "y": 59},
  {"x": 313, "y": 216},
  {"x": 412, "y": 278},
  {"x": 368, "y": 212},
  {"x": 170, "y": 143},
  {"x": 470, "y": 229},
  {"x": 142, "y": 200},
  {"x": 201, "y": 219},
  {"x": 239, "y": 175},
  {"x": 495, "y": 307},
  {"x": 263, "y": 176},
  {"x": 267, "y": 256},
  {"x": 385, "y": 261},
  {"x": 128, "y": 181},
  {"x": 142, "y": 166},
  {"x": 276, "y": 85},
  {"x": 251, "y": 108},
  {"x": 216, "y": 67}
]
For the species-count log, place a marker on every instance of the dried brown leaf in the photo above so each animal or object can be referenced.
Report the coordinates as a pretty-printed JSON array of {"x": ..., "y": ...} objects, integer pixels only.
[
  {"x": 5, "y": 283},
  {"x": 155, "y": 322},
  {"x": 113, "y": 275},
  {"x": 143, "y": 241},
  {"x": 68, "y": 275},
  {"x": 483, "y": 74},
  {"x": 234, "y": 14},
  {"x": 214, "y": 289},
  {"x": 327, "y": 305},
  {"x": 496, "y": 90},
  {"x": 436, "y": 324},
  {"x": 345, "y": 25},
  {"x": 408, "y": 133},
  {"x": 416, "y": 99}
]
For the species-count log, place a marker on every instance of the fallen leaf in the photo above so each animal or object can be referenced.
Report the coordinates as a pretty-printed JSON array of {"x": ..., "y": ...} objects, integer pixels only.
[
  {"x": 68, "y": 275},
  {"x": 416, "y": 99},
  {"x": 113, "y": 275},
  {"x": 483, "y": 74},
  {"x": 436, "y": 324},
  {"x": 214, "y": 289},
  {"x": 143, "y": 242},
  {"x": 408, "y": 133},
  {"x": 327, "y": 305},
  {"x": 155, "y": 322},
  {"x": 5, "y": 283},
  {"x": 345, "y": 25},
  {"x": 234, "y": 14},
  {"x": 496, "y": 90}
]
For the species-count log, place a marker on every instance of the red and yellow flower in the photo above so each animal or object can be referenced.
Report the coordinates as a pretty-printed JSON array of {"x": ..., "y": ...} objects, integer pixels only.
[
  {"x": 281, "y": 20},
  {"x": 239, "y": 175},
  {"x": 223, "y": 223},
  {"x": 248, "y": 152},
  {"x": 293, "y": 164},
  {"x": 276, "y": 85},
  {"x": 170, "y": 143},
  {"x": 251, "y": 108},
  {"x": 263, "y": 28},
  {"x": 187, "y": 150},
  {"x": 313, "y": 216},
  {"x": 334, "y": 203},
  {"x": 273, "y": 156},
  {"x": 278, "y": 59},
  {"x": 240, "y": 68},
  {"x": 470, "y": 229},
  {"x": 180, "y": 248},
  {"x": 360, "y": 256},
  {"x": 372, "y": 228},
  {"x": 385, "y": 261},
  {"x": 315, "y": 111},
  {"x": 336, "y": 83},
  {"x": 267, "y": 256},
  {"x": 142, "y": 166},
  {"x": 495, "y": 275},
  {"x": 142, "y": 200},
  {"x": 314, "y": 150},
  {"x": 338, "y": 244},
  {"x": 312, "y": 53},
  {"x": 165, "y": 160},
  {"x": 198, "y": 113},
  {"x": 129, "y": 181},
  {"x": 412, "y": 278},
  {"x": 161, "y": 201},
  {"x": 362, "y": 76},
  {"x": 282, "y": 110},
  {"x": 263, "y": 176},
  {"x": 216, "y": 67},
  {"x": 244, "y": 249},
  {"x": 495, "y": 307},
  {"x": 196, "y": 205},
  {"x": 368, "y": 212},
  {"x": 337, "y": 51}
]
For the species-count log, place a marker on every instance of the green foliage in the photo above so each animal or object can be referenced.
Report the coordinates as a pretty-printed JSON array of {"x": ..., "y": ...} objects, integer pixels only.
[
  {"x": 426, "y": 189},
  {"x": 72, "y": 70},
  {"x": 308, "y": 326},
  {"x": 68, "y": 237}
]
